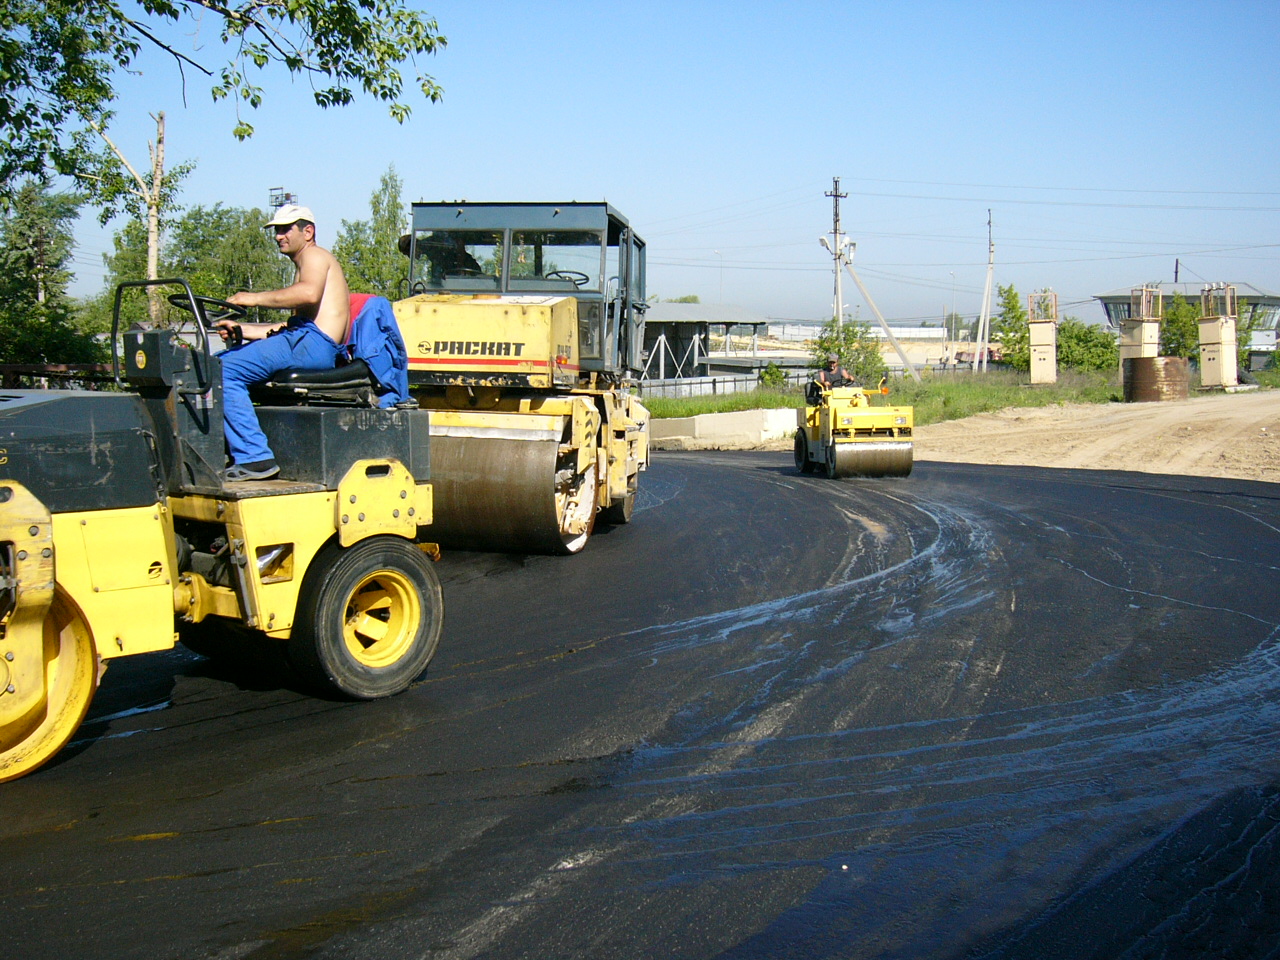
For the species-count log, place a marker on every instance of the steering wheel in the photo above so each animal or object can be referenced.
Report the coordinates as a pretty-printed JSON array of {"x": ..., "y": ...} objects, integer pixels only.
[
  {"x": 225, "y": 310},
  {"x": 576, "y": 277},
  {"x": 844, "y": 382}
]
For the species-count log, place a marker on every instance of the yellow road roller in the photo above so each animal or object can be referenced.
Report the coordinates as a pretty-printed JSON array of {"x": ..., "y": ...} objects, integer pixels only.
[
  {"x": 120, "y": 535},
  {"x": 840, "y": 431},
  {"x": 524, "y": 328}
]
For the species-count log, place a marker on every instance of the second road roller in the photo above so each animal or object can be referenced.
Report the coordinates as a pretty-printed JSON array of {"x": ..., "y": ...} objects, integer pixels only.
[
  {"x": 842, "y": 432},
  {"x": 524, "y": 326}
]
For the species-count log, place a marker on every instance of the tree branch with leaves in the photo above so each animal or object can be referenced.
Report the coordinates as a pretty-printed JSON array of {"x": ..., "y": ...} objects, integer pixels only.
[
  {"x": 60, "y": 61},
  {"x": 116, "y": 185}
]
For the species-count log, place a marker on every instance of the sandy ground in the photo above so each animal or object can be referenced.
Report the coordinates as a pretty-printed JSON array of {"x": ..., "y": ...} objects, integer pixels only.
[
  {"x": 1217, "y": 435},
  {"x": 1220, "y": 435}
]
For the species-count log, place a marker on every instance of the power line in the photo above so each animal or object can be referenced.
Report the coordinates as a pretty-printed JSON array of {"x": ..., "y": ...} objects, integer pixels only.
[
  {"x": 1074, "y": 203},
  {"x": 993, "y": 186}
]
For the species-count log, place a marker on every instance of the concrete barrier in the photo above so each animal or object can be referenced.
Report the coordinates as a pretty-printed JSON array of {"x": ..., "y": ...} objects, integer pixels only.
[{"x": 722, "y": 431}]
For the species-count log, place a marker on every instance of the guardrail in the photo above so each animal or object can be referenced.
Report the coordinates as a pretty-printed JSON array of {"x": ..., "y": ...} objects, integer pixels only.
[
  {"x": 709, "y": 386},
  {"x": 53, "y": 376}
]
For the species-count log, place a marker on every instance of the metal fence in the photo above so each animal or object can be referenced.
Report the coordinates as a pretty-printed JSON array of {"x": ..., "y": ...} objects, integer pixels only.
[{"x": 710, "y": 386}]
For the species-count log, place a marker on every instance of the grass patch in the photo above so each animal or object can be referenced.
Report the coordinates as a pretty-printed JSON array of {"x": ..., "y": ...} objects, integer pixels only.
[
  {"x": 939, "y": 397},
  {"x": 1268, "y": 378},
  {"x": 671, "y": 407},
  {"x": 954, "y": 396}
]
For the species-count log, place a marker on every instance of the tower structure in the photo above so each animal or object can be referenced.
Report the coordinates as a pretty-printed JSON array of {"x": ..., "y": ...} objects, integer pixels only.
[
  {"x": 1218, "y": 336},
  {"x": 1042, "y": 331},
  {"x": 279, "y": 197},
  {"x": 1140, "y": 331}
]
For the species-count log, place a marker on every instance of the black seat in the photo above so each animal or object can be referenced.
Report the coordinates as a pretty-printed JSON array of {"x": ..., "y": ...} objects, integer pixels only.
[
  {"x": 353, "y": 374},
  {"x": 352, "y": 384}
]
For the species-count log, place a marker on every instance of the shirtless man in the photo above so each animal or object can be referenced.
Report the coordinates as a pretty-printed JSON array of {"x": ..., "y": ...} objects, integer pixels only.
[{"x": 310, "y": 339}]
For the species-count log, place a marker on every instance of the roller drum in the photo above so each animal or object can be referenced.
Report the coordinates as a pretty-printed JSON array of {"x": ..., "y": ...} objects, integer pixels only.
[
  {"x": 881, "y": 458},
  {"x": 500, "y": 494}
]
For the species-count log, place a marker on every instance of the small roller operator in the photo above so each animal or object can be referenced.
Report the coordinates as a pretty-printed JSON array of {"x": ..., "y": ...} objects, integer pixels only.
[{"x": 833, "y": 373}]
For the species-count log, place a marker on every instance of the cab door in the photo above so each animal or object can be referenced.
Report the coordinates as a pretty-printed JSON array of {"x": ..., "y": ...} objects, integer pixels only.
[{"x": 636, "y": 304}]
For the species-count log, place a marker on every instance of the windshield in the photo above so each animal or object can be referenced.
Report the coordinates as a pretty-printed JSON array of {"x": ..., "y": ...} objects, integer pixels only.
[
  {"x": 540, "y": 261},
  {"x": 458, "y": 260}
]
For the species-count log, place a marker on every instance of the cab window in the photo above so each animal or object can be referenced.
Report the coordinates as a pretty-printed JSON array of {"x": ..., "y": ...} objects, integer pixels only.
[
  {"x": 457, "y": 259},
  {"x": 562, "y": 260}
]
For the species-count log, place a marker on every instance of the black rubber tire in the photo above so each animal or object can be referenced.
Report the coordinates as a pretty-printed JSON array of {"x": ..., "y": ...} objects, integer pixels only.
[
  {"x": 369, "y": 618},
  {"x": 830, "y": 465},
  {"x": 801, "y": 451}
]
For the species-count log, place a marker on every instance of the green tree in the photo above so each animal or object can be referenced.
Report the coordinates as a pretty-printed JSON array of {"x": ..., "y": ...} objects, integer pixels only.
[
  {"x": 116, "y": 186},
  {"x": 858, "y": 350},
  {"x": 37, "y": 321},
  {"x": 60, "y": 61},
  {"x": 217, "y": 250},
  {"x": 1245, "y": 325},
  {"x": 127, "y": 261},
  {"x": 1012, "y": 330},
  {"x": 369, "y": 249},
  {"x": 1083, "y": 347},
  {"x": 773, "y": 377},
  {"x": 687, "y": 298},
  {"x": 955, "y": 326},
  {"x": 220, "y": 250},
  {"x": 1180, "y": 328}
]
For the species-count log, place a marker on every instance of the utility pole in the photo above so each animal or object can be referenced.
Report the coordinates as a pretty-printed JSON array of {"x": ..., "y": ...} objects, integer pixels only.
[
  {"x": 984, "y": 321},
  {"x": 837, "y": 246},
  {"x": 842, "y": 252}
]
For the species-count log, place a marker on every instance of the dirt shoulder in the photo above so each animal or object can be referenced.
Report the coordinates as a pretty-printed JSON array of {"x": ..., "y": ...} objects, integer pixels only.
[{"x": 1220, "y": 435}]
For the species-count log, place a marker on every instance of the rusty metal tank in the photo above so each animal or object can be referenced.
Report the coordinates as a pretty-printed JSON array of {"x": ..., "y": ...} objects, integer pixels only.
[{"x": 1148, "y": 379}]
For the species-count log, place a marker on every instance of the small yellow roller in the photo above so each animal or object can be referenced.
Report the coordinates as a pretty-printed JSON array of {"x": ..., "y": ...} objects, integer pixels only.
[{"x": 841, "y": 432}]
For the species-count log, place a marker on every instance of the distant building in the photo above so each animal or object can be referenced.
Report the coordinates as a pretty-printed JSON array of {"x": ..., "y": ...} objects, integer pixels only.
[
  {"x": 677, "y": 336},
  {"x": 1260, "y": 306}
]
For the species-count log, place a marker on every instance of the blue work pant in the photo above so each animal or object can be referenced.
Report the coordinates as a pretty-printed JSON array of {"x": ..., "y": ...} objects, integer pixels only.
[{"x": 304, "y": 347}]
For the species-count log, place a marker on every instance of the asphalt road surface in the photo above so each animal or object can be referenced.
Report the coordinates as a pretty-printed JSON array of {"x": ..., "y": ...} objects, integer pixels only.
[{"x": 987, "y": 712}]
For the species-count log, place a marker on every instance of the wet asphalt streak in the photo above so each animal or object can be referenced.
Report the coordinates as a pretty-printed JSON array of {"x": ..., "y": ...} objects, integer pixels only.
[{"x": 980, "y": 712}]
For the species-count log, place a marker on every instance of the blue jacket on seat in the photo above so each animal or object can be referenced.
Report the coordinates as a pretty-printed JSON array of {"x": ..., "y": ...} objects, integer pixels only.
[{"x": 375, "y": 338}]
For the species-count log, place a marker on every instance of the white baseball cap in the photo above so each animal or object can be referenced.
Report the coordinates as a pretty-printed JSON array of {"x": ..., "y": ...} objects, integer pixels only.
[{"x": 290, "y": 214}]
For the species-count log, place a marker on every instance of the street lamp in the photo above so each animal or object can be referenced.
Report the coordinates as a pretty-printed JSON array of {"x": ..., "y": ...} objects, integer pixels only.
[{"x": 953, "y": 304}]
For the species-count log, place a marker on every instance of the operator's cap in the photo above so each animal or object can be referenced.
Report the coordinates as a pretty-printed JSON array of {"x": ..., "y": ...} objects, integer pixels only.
[
  {"x": 290, "y": 214},
  {"x": 832, "y": 357}
]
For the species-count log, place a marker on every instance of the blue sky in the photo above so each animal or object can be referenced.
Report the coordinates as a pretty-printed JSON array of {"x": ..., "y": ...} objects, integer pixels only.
[{"x": 1107, "y": 140}]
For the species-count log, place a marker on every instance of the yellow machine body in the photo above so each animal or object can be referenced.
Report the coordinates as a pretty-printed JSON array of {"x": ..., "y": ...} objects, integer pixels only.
[
  {"x": 525, "y": 332},
  {"x": 526, "y": 449},
  {"x": 121, "y": 533},
  {"x": 486, "y": 339},
  {"x": 845, "y": 435},
  {"x": 88, "y": 586},
  {"x": 273, "y": 539}
]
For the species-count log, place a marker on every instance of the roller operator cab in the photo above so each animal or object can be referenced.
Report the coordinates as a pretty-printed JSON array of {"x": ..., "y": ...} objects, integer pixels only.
[
  {"x": 120, "y": 535},
  {"x": 842, "y": 433},
  {"x": 524, "y": 327}
]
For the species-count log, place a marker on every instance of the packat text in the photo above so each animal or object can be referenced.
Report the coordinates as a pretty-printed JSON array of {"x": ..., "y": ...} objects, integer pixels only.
[{"x": 471, "y": 348}]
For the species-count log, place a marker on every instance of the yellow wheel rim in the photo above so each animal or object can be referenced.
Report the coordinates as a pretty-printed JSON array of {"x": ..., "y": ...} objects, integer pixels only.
[
  {"x": 382, "y": 619},
  {"x": 71, "y": 677}
]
